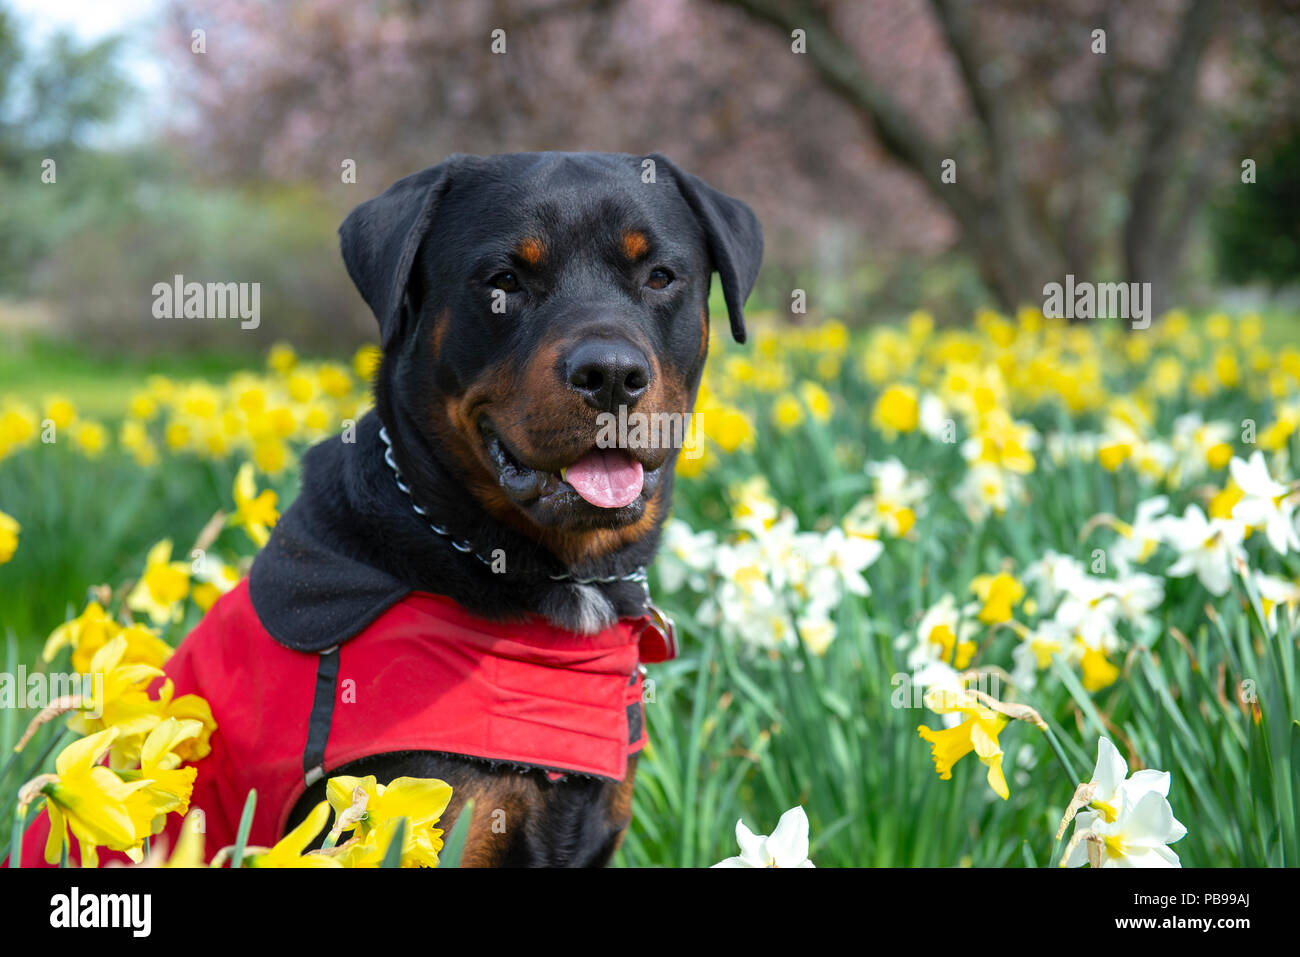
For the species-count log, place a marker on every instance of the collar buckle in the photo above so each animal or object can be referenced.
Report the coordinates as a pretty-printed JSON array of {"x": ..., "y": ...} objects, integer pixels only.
[{"x": 657, "y": 641}]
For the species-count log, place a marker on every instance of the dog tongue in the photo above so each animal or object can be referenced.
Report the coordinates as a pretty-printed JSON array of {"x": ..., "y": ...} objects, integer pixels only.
[{"x": 607, "y": 478}]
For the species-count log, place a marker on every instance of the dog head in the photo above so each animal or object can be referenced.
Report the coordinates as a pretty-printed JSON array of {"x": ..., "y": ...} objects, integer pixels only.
[{"x": 527, "y": 303}]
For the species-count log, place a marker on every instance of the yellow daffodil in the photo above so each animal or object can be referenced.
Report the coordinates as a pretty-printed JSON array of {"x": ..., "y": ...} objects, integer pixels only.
[
  {"x": 90, "y": 439},
  {"x": 124, "y": 702},
  {"x": 99, "y": 808},
  {"x": 1098, "y": 672},
  {"x": 9, "y": 529},
  {"x": 61, "y": 412},
  {"x": 189, "y": 707},
  {"x": 978, "y": 732},
  {"x": 213, "y": 580},
  {"x": 281, "y": 358},
  {"x": 92, "y": 629},
  {"x": 288, "y": 852},
  {"x": 787, "y": 412},
  {"x": 254, "y": 512},
  {"x": 162, "y": 586},
  {"x": 365, "y": 363},
  {"x": 731, "y": 429},
  {"x": 817, "y": 401},
  {"x": 897, "y": 410},
  {"x": 169, "y": 785},
  {"x": 189, "y": 846},
  {"x": 271, "y": 456},
  {"x": 421, "y": 801},
  {"x": 999, "y": 593}
]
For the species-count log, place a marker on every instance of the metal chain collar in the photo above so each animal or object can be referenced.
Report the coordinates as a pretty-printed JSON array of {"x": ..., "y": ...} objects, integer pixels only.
[{"x": 639, "y": 575}]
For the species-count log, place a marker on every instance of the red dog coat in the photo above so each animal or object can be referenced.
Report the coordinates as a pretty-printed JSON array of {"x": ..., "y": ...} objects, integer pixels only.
[{"x": 425, "y": 675}]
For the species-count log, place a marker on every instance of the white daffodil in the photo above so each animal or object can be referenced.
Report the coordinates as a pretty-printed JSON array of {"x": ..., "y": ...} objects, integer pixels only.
[
  {"x": 1200, "y": 445},
  {"x": 1090, "y": 612},
  {"x": 1275, "y": 593},
  {"x": 1139, "y": 541},
  {"x": 786, "y": 847},
  {"x": 894, "y": 504},
  {"x": 947, "y": 634},
  {"x": 783, "y": 551},
  {"x": 1136, "y": 596},
  {"x": 1205, "y": 547},
  {"x": 1153, "y": 459},
  {"x": 753, "y": 509},
  {"x": 1113, "y": 782},
  {"x": 1128, "y": 821},
  {"x": 1038, "y": 646},
  {"x": 987, "y": 489},
  {"x": 1265, "y": 503},
  {"x": 1054, "y": 575},
  {"x": 685, "y": 556},
  {"x": 841, "y": 558},
  {"x": 816, "y": 631},
  {"x": 1138, "y": 837},
  {"x": 935, "y": 421}
]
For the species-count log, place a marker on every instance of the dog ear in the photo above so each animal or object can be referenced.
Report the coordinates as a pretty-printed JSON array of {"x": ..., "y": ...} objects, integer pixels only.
[
  {"x": 380, "y": 238},
  {"x": 734, "y": 237}
]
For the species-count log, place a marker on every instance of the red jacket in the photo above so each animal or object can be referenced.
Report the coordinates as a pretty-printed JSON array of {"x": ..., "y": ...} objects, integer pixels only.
[{"x": 425, "y": 675}]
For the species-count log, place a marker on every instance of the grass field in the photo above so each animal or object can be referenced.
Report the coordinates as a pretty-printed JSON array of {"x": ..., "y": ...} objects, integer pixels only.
[{"x": 876, "y": 519}]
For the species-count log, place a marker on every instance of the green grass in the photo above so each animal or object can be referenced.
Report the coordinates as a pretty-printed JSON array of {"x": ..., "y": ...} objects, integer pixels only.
[{"x": 34, "y": 367}]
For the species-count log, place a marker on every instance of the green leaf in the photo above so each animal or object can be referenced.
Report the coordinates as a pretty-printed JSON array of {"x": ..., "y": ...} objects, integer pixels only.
[
  {"x": 454, "y": 848},
  {"x": 245, "y": 825}
]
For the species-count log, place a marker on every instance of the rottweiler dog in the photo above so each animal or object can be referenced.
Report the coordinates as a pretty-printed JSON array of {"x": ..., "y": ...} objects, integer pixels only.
[{"x": 519, "y": 297}]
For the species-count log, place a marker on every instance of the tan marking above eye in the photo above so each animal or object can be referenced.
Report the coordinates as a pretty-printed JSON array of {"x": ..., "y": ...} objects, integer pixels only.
[
  {"x": 635, "y": 244},
  {"x": 531, "y": 250}
]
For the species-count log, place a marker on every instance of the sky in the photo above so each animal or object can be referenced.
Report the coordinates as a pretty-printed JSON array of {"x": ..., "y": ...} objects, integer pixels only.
[{"x": 91, "y": 20}]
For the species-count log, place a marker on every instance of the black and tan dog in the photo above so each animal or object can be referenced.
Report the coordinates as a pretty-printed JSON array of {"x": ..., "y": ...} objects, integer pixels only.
[{"x": 518, "y": 297}]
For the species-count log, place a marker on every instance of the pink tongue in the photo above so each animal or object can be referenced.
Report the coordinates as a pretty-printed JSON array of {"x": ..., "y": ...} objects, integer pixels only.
[{"x": 607, "y": 478}]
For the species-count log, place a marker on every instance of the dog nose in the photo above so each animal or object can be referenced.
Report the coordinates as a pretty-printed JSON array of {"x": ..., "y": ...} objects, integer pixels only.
[{"x": 607, "y": 373}]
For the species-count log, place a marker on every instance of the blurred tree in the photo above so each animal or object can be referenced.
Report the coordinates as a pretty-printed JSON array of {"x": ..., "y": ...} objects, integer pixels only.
[
  {"x": 1257, "y": 225},
  {"x": 1067, "y": 139},
  {"x": 52, "y": 97},
  {"x": 50, "y": 100},
  {"x": 1066, "y": 160},
  {"x": 396, "y": 86}
]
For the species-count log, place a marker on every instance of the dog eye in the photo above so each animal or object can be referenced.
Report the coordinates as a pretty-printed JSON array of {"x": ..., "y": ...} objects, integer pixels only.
[
  {"x": 505, "y": 281},
  {"x": 659, "y": 279}
]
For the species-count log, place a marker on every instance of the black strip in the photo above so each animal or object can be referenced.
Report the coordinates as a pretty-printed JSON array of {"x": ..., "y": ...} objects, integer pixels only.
[
  {"x": 635, "y": 718},
  {"x": 322, "y": 711}
]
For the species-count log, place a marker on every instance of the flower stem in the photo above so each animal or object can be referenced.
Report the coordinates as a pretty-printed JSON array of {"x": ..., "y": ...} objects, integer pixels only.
[
  {"x": 16, "y": 837},
  {"x": 1060, "y": 755}
]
